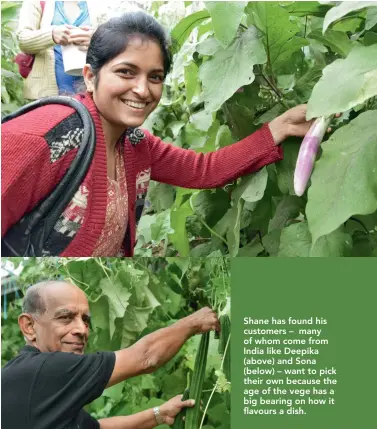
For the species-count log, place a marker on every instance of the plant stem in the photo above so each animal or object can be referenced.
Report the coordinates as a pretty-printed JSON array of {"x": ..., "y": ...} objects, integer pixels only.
[
  {"x": 213, "y": 232},
  {"x": 276, "y": 91},
  {"x": 302, "y": 61},
  {"x": 175, "y": 113}
]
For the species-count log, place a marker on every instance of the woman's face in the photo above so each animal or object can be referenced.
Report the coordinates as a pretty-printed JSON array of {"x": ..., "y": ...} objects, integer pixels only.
[{"x": 130, "y": 85}]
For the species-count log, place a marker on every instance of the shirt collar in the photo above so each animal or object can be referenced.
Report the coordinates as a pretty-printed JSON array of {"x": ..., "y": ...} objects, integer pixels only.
[{"x": 28, "y": 349}]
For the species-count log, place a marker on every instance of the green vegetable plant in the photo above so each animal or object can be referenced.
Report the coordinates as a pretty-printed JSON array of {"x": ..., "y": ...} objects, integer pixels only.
[
  {"x": 238, "y": 65},
  {"x": 11, "y": 81},
  {"x": 196, "y": 387}
]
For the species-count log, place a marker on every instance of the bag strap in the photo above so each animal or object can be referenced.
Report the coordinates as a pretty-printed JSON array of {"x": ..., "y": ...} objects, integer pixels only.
[
  {"x": 51, "y": 208},
  {"x": 43, "y": 3}
]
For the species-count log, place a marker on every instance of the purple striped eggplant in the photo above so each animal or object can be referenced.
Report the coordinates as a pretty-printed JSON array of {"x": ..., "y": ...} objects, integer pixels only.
[{"x": 307, "y": 154}]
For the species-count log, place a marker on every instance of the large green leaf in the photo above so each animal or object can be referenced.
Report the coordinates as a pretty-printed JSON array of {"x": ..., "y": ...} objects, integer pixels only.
[
  {"x": 295, "y": 240},
  {"x": 371, "y": 19},
  {"x": 192, "y": 137},
  {"x": 255, "y": 186},
  {"x": 345, "y": 83},
  {"x": 344, "y": 9},
  {"x": 250, "y": 189},
  {"x": 286, "y": 167},
  {"x": 161, "y": 195},
  {"x": 344, "y": 182},
  {"x": 226, "y": 18},
  {"x": 208, "y": 46},
  {"x": 337, "y": 243},
  {"x": 184, "y": 28},
  {"x": 134, "y": 322},
  {"x": 304, "y": 86},
  {"x": 364, "y": 245},
  {"x": 191, "y": 81},
  {"x": 349, "y": 24},
  {"x": 240, "y": 110},
  {"x": 100, "y": 310},
  {"x": 180, "y": 211},
  {"x": 9, "y": 11},
  {"x": 118, "y": 297},
  {"x": 336, "y": 40},
  {"x": 307, "y": 8},
  {"x": 162, "y": 227},
  {"x": 223, "y": 137},
  {"x": 251, "y": 250},
  {"x": 230, "y": 69},
  {"x": 288, "y": 208},
  {"x": 271, "y": 242},
  {"x": 233, "y": 233},
  {"x": 370, "y": 38},
  {"x": 210, "y": 205},
  {"x": 280, "y": 38}
]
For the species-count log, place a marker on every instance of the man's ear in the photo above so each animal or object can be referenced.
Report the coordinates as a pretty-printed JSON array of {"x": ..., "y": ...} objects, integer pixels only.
[
  {"x": 26, "y": 324},
  {"x": 89, "y": 77}
]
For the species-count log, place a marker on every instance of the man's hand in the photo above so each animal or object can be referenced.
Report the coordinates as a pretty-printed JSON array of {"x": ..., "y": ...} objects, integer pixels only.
[
  {"x": 81, "y": 38},
  {"x": 61, "y": 34},
  {"x": 203, "y": 320},
  {"x": 171, "y": 408}
]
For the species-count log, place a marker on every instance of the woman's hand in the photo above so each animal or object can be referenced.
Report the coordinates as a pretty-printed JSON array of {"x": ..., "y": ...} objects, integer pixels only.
[
  {"x": 171, "y": 408},
  {"x": 61, "y": 34},
  {"x": 291, "y": 123},
  {"x": 82, "y": 38}
]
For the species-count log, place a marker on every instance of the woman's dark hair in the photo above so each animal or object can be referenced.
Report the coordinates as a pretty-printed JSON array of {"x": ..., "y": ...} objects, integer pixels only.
[{"x": 111, "y": 39}]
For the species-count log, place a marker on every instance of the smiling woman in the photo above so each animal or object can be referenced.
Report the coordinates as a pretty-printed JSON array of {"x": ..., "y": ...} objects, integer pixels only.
[{"x": 127, "y": 61}]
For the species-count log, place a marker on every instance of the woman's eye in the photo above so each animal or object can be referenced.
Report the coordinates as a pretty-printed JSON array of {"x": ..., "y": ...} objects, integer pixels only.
[
  {"x": 125, "y": 71},
  {"x": 157, "y": 77}
]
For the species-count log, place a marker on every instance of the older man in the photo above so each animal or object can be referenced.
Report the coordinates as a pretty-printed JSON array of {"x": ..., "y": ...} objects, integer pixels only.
[{"x": 49, "y": 382}]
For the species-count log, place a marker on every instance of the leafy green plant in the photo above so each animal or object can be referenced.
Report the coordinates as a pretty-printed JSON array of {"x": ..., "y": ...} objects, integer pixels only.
[
  {"x": 11, "y": 81},
  {"x": 238, "y": 65}
]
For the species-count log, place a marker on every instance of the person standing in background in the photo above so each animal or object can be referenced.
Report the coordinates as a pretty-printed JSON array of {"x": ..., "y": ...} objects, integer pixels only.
[{"x": 43, "y": 33}]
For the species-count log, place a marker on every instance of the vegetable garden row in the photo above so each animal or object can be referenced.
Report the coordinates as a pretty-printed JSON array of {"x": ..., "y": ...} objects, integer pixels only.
[{"x": 281, "y": 54}]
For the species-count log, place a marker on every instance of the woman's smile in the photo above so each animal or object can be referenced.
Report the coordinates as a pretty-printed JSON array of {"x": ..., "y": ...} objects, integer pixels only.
[{"x": 136, "y": 106}]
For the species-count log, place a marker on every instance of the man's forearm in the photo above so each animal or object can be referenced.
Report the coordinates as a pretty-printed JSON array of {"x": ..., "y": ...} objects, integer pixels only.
[
  {"x": 164, "y": 344},
  {"x": 157, "y": 348},
  {"x": 143, "y": 420},
  {"x": 151, "y": 351}
]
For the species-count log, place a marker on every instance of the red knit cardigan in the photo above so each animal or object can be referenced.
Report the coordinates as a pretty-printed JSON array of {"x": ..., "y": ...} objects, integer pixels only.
[{"x": 29, "y": 175}]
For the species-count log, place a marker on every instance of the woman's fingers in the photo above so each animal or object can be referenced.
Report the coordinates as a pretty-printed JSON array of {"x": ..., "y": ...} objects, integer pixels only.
[{"x": 79, "y": 38}]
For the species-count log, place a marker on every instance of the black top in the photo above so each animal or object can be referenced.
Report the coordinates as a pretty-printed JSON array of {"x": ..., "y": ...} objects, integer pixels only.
[{"x": 48, "y": 390}]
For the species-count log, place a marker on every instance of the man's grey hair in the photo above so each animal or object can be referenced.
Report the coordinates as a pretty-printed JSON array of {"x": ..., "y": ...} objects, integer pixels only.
[{"x": 33, "y": 300}]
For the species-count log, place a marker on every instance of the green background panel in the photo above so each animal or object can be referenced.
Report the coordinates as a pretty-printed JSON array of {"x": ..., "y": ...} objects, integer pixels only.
[{"x": 344, "y": 292}]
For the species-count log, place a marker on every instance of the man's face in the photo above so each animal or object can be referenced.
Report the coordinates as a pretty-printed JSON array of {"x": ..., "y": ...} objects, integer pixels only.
[{"x": 64, "y": 326}]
